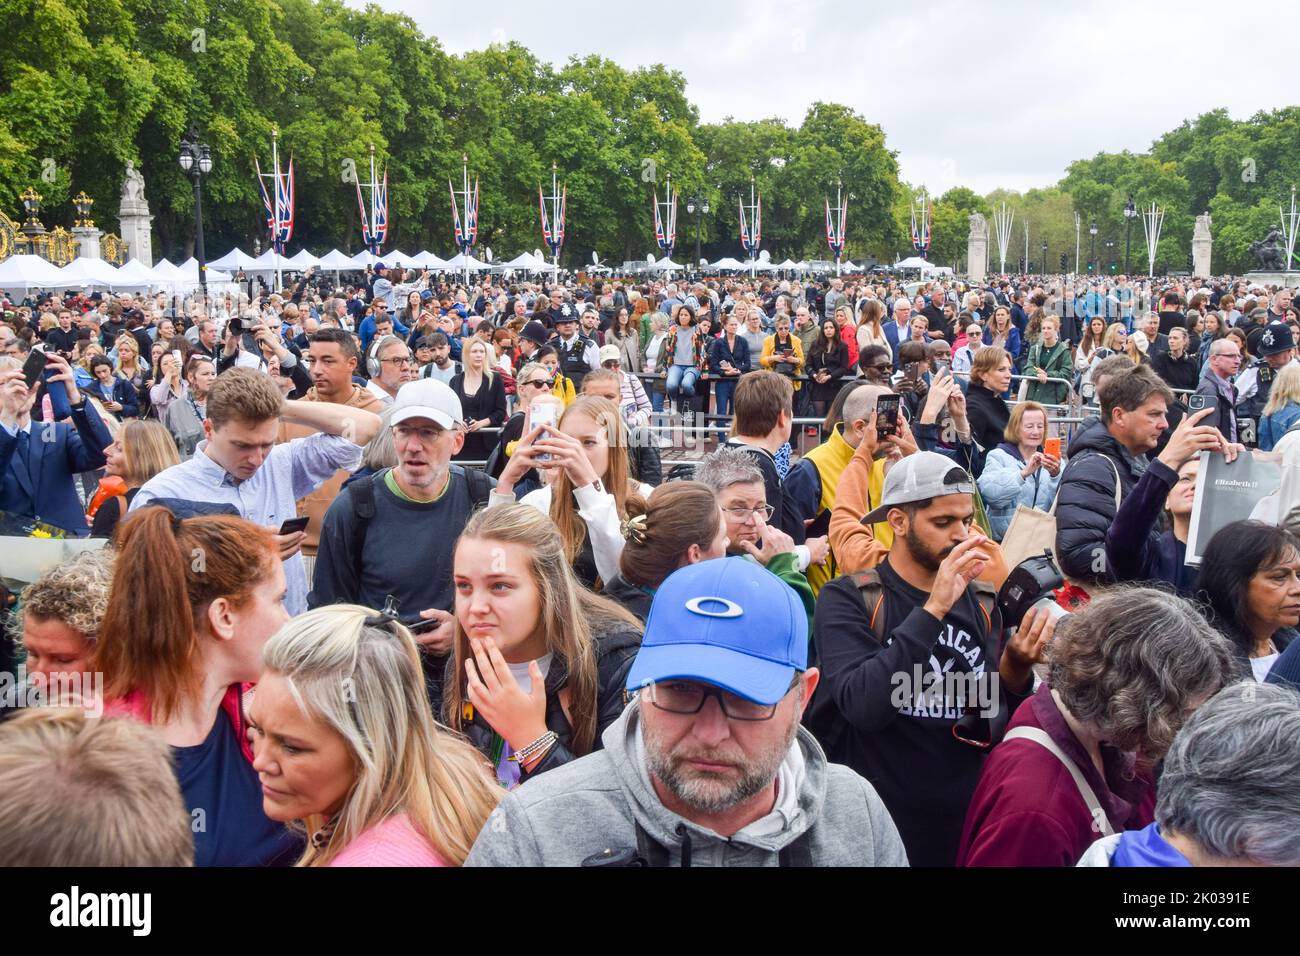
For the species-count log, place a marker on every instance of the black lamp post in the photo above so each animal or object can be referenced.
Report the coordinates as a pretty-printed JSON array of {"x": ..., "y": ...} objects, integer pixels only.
[
  {"x": 1110, "y": 255},
  {"x": 700, "y": 206},
  {"x": 1092, "y": 248},
  {"x": 1044, "y": 257},
  {"x": 1130, "y": 213},
  {"x": 196, "y": 159}
]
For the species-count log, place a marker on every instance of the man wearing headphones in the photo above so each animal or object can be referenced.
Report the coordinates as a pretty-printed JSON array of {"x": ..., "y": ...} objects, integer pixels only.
[{"x": 389, "y": 367}]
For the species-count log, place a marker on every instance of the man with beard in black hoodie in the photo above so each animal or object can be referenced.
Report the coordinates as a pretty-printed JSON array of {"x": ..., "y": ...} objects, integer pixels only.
[{"x": 917, "y": 674}]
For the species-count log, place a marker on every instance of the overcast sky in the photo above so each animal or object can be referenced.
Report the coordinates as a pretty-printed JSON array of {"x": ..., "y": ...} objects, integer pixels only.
[{"x": 977, "y": 94}]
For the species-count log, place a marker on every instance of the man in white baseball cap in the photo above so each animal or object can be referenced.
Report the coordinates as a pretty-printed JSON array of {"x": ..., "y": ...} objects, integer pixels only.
[{"x": 389, "y": 537}]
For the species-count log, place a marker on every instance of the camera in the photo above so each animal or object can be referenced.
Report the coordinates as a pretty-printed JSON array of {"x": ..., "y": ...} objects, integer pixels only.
[
  {"x": 1029, "y": 585},
  {"x": 235, "y": 325}
]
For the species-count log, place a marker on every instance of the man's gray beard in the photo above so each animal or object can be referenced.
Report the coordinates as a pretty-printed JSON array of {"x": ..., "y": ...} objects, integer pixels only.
[{"x": 705, "y": 792}]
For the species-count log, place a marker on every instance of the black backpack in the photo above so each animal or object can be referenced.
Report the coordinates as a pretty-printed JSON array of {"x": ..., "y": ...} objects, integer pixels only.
[
  {"x": 822, "y": 718},
  {"x": 363, "y": 500}
]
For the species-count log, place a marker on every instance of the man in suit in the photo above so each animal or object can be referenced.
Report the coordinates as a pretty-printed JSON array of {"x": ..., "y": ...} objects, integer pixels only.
[
  {"x": 900, "y": 330},
  {"x": 40, "y": 460}
]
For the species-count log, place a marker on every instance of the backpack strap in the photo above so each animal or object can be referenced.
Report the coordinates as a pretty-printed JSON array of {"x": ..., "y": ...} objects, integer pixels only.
[
  {"x": 1041, "y": 738},
  {"x": 363, "y": 511},
  {"x": 873, "y": 596},
  {"x": 480, "y": 486}
]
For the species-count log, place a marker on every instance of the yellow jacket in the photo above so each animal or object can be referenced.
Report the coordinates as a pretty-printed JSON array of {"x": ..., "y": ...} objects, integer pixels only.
[
  {"x": 768, "y": 357},
  {"x": 563, "y": 389}
]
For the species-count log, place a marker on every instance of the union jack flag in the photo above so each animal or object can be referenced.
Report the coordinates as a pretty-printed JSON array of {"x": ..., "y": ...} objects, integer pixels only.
[
  {"x": 751, "y": 234},
  {"x": 467, "y": 234},
  {"x": 554, "y": 238},
  {"x": 835, "y": 231},
  {"x": 279, "y": 214},
  {"x": 666, "y": 234},
  {"x": 374, "y": 234},
  {"x": 921, "y": 233}
]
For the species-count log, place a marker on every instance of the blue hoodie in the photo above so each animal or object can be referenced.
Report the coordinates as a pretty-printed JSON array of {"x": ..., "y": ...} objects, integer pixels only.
[{"x": 1146, "y": 847}]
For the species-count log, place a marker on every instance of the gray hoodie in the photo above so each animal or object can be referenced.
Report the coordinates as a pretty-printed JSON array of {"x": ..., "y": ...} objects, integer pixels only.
[{"x": 561, "y": 817}]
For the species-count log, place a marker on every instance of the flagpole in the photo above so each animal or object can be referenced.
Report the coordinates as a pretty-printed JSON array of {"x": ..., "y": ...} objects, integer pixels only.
[
  {"x": 555, "y": 249},
  {"x": 1289, "y": 223},
  {"x": 374, "y": 222},
  {"x": 275, "y": 232}
]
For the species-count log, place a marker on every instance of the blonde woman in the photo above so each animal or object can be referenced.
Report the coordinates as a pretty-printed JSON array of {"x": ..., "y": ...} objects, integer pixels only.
[
  {"x": 1283, "y": 408},
  {"x": 585, "y": 462},
  {"x": 539, "y": 662},
  {"x": 130, "y": 364},
  {"x": 347, "y": 750},
  {"x": 140, "y": 450},
  {"x": 482, "y": 396}
]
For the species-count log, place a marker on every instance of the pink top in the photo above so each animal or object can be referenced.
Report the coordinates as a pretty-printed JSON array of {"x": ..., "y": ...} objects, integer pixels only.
[{"x": 391, "y": 843}]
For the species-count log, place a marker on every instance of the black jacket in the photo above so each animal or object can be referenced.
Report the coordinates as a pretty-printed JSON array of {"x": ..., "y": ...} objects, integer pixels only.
[
  {"x": 616, "y": 645},
  {"x": 1180, "y": 373},
  {"x": 1225, "y": 419},
  {"x": 1135, "y": 550},
  {"x": 1085, "y": 502},
  {"x": 631, "y": 596},
  {"x": 988, "y": 415}
]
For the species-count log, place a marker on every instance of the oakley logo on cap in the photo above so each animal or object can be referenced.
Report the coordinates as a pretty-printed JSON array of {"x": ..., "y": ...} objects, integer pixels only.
[{"x": 729, "y": 608}]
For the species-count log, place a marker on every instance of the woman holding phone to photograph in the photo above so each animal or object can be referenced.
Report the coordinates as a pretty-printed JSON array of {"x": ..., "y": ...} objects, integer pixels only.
[{"x": 1022, "y": 470}]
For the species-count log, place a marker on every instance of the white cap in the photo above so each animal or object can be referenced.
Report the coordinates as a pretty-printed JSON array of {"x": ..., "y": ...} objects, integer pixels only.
[{"x": 427, "y": 398}]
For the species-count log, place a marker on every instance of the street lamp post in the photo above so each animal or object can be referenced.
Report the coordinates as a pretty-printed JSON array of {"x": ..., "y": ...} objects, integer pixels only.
[
  {"x": 1092, "y": 247},
  {"x": 1130, "y": 213},
  {"x": 196, "y": 159},
  {"x": 1044, "y": 257},
  {"x": 700, "y": 206},
  {"x": 1110, "y": 246}
]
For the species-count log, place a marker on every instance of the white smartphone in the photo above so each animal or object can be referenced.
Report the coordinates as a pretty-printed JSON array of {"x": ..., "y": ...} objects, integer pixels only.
[{"x": 543, "y": 413}]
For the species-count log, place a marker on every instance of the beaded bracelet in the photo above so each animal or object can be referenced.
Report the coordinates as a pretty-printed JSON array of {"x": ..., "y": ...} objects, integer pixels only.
[{"x": 538, "y": 746}]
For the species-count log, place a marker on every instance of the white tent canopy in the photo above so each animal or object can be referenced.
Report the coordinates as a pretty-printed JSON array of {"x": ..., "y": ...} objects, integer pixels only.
[
  {"x": 303, "y": 259},
  {"x": 335, "y": 260},
  {"x": 267, "y": 262},
  {"x": 84, "y": 273},
  {"x": 364, "y": 258},
  {"x": 187, "y": 274},
  {"x": 914, "y": 262},
  {"x": 788, "y": 264},
  {"x": 135, "y": 274},
  {"x": 727, "y": 262},
  {"x": 28, "y": 272},
  {"x": 760, "y": 265},
  {"x": 428, "y": 260},
  {"x": 526, "y": 261},
  {"x": 664, "y": 265},
  {"x": 234, "y": 259},
  {"x": 459, "y": 262}
]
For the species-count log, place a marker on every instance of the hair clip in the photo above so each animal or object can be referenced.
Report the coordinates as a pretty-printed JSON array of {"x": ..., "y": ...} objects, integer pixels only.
[{"x": 634, "y": 529}]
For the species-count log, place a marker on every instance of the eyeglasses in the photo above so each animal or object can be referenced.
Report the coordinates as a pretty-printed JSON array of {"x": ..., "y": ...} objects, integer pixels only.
[
  {"x": 742, "y": 513},
  {"x": 688, "y": 697},
  {"x": 541, "y": 383},
  {"x": 399, "y": 362}
]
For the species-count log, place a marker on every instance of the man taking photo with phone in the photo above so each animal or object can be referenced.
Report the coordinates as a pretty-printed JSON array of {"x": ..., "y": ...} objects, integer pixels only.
[
  {"x": 39, "y": 461},
  {"x": 918, "y": 675},
  {"x": 240, "y": 469}
]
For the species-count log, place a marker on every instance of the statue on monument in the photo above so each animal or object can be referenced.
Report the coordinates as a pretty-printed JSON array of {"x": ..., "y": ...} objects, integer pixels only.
[
  {"x": 133, "y": 186},
  {"x": 979, "y": 227},
  {"x": 1270, "y": 252},
  {"x": 1202, "y": 229}
]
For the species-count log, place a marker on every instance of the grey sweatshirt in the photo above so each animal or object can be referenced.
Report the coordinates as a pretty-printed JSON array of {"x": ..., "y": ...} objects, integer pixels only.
[{"x": 561, "y": 817}]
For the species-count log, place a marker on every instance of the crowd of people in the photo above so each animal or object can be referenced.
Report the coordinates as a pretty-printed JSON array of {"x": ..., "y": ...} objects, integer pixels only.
[{"x": 394, "y": 574}]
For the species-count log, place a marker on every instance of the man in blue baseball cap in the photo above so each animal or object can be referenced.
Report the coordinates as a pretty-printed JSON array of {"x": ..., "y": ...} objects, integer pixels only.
[{"x": 708, "y": 765}]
